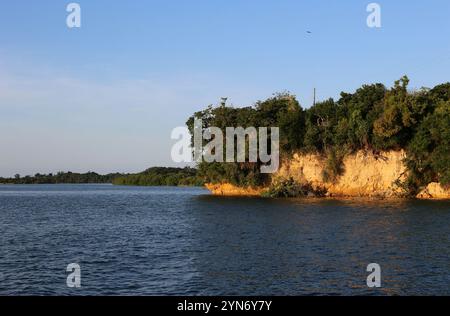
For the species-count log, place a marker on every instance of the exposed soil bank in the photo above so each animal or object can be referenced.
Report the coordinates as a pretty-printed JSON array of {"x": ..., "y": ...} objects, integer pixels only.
[{"x": 364, "y": 175}]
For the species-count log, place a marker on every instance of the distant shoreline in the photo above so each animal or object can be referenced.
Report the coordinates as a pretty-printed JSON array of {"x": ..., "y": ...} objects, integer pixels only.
[
  {"x": 155, "y": 176},
  {"x": 109, "y": 184}
]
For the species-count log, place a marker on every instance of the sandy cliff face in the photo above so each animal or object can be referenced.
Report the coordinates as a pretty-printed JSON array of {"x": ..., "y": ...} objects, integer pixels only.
[
  {"x": 228, "y": 189},
  {"x": 364, "y": 175},
  {"x": 434, "y": 191}
]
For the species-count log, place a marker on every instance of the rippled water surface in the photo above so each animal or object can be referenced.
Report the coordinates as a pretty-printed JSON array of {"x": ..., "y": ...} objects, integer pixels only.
[{"x": 164, "y": 241}]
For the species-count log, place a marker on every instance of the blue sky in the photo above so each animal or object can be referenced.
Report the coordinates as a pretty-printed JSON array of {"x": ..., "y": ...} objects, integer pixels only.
[{"x": 106, "y": 96}]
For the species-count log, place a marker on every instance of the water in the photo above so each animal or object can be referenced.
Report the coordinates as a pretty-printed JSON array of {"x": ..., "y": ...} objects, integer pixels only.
[{"x": 182, "y": 241}]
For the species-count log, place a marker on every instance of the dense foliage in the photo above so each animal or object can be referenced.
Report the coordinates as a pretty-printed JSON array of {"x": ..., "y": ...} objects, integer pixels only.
[
  {"x": 282, "y": 110},
  {"x": 373, "y": 118}
]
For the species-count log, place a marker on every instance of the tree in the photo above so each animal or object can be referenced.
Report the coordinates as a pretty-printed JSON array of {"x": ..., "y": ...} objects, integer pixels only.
[
  {"x": 429, "y": 151},
  {"x": 320, "y": 122}
]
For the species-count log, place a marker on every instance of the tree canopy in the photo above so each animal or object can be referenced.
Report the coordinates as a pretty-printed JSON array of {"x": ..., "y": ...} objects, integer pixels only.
[{"x": 373, "y": 118}]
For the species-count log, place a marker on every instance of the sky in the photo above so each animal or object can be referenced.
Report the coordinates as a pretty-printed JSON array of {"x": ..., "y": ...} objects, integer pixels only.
[{"x": 105, "y": 97}]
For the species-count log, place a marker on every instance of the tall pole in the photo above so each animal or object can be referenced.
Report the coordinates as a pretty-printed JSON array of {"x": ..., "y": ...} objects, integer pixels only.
[{"x": 314, "y": 100}]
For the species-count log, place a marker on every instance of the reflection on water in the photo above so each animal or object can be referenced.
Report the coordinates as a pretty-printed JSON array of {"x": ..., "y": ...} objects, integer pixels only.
[{"x": 131, "y": 240}]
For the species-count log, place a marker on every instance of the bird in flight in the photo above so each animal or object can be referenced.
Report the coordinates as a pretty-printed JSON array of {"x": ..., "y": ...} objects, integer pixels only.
[{"x": 309, "y": 32}]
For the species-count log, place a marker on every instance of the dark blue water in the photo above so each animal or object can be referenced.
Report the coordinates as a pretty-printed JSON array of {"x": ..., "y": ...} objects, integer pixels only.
[{"x": 164, "y": 241}]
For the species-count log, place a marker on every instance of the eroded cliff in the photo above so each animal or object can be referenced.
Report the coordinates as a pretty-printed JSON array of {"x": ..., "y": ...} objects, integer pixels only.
[{"x": 364, "y": 174}]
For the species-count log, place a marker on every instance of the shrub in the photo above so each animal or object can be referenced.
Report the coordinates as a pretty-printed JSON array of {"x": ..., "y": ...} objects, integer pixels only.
[{"x": 287, "y": 188}]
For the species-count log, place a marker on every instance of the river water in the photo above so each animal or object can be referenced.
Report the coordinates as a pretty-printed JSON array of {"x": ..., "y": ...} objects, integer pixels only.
[{"x": 182, "y": 241}]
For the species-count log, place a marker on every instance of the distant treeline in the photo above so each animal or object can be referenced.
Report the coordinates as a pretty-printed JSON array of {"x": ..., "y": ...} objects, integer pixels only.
[
  {"x": 61, "y": 177},
  {"x": 373, "y": 118},
  {"x": 160, "y": 176},
  {"x": 157, "y": 176}
]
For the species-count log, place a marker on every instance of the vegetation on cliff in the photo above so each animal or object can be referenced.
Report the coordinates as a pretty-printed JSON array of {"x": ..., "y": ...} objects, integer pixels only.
[
  {"x": 286, "y": 188},
  {"x": 373, "y": 118}
]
